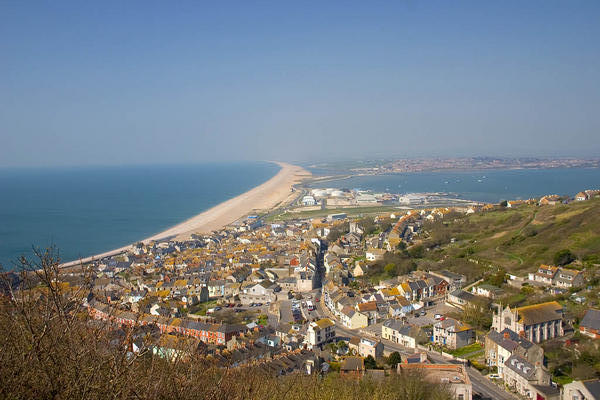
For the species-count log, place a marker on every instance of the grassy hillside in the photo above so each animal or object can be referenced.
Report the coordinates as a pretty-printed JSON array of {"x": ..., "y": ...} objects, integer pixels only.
[{"x": 518, "y": 239}]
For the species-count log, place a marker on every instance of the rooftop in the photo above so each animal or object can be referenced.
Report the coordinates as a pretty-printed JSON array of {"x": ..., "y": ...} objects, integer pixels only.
[
  {"x": 439, "y": 373},
  {"x": 591, "y": 319},
  {"x": 521, "y": 366},
  {"x": 593, "y": 386},
  {"x": 539, "y": 313},
  {"x": 324, "y": 323}
]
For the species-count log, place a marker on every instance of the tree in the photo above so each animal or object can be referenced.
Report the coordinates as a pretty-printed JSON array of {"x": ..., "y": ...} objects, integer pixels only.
[
  {"x": 370, "y": 362},
  {"x": 498, "y": 278},
  {"x": 564, "y": 257},
  {"x": 503, "y": 203},
  {"x": 416, "y": 251},
  {"x": 478, "y": 315},
  {"x": 337, "y": 232},
  {"x": 332, "y": 347},
  {"x": 390, "y": 269},
  {"x": 394, "y": 359},
  {"x": 53, "y": 348}
]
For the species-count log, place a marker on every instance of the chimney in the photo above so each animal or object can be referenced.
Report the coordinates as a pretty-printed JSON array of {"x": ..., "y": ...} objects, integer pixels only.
[{"x": 506, "y": 335}]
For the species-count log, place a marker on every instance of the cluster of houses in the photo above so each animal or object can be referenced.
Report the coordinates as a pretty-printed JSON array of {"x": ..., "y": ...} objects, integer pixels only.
[
  {"x": 159, "y": 286},
  {"x": 560, "y": 277},
  {"x": 250, "y": 265},
  {"x": 212, "y": 333},
  {"x": 513, "y": 347},
  {"x": 393, "y": 299},
  {"x": 554, "y": 199},
  {"x": 587, "y": 194},
  {"x": 342, "y": 198}
]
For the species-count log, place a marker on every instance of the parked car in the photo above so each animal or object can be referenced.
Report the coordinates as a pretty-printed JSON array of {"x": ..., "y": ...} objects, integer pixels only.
[
  {"x": 493, "y": 376},
  {"x": 423, "y": 313},
  {"x": 438, "y": 316}
]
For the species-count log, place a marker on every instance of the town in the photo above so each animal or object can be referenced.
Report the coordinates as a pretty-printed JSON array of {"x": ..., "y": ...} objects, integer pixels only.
[
  {"x": 358, "y": 295},
  {"x": 401, "y": 165}
]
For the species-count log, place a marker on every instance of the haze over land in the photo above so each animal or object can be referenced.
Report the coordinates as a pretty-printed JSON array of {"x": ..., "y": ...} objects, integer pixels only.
[{"x": 138, "y": 83}]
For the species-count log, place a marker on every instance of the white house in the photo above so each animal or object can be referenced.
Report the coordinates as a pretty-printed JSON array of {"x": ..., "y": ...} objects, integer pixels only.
[
  {"x": 309, "y": 201},
  {"x": 320, "y": 332},
  {"x": 374, "y": 254},
  {"x": 398, "y": 332}
]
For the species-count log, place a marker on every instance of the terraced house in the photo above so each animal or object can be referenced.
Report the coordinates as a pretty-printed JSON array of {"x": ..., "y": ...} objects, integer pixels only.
[
  {"x": 537, "y": 323},
  {"x": 500, "y": 346},
  {"x": 557, "y": 276},
  {"x": 453, "y": 334},
  {"x": 400, "y": 333},
  {"x": 528, "y": 380},
  {"x": 320, "y": 332}
]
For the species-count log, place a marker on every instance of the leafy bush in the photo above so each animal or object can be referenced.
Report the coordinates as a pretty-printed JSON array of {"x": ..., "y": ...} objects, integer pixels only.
[
  {"x": 394, "y": 359},
  {"x": 564, "y": 257}
]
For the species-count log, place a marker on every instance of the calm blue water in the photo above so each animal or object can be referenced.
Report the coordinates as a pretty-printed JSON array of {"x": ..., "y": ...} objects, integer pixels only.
[
  {"x": 86, "y": 211},
  {"x": 487, "y": 186}
]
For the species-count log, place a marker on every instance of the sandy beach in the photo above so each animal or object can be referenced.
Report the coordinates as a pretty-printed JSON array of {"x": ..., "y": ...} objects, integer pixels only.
[{"x": 261, "y": 198}]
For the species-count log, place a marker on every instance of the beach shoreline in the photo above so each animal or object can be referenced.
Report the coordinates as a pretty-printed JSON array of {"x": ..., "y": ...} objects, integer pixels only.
[{"x": 263, "y": 197}]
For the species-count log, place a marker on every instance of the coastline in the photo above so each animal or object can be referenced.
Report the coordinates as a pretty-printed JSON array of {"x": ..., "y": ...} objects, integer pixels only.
[{"x": 263, "y": 197}]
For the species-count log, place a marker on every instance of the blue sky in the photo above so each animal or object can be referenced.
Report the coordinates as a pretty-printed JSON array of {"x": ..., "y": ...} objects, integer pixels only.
[{"x": 151, "y": 82}]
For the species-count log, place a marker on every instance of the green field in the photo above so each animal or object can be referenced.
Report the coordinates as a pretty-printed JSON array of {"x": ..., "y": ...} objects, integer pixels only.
[
  {"x": 519, "y": 239},
  {"x": 350, "y": 211}
]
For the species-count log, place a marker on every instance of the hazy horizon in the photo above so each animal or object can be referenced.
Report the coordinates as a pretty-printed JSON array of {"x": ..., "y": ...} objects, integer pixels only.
[{"x": 134, "y": 83}]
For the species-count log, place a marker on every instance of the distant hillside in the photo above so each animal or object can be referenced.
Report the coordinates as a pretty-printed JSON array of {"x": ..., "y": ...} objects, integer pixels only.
[{"x": 517, "y": 239}]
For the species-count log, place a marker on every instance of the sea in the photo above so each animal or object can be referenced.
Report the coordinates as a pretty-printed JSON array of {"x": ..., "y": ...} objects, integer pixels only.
[
  {"x": 89, "y": 210},
  {"x": 490, "y": 186}
]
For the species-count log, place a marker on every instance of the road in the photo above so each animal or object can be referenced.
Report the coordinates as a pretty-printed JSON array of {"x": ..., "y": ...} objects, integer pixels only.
[{"x": 482, "y": 386}]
